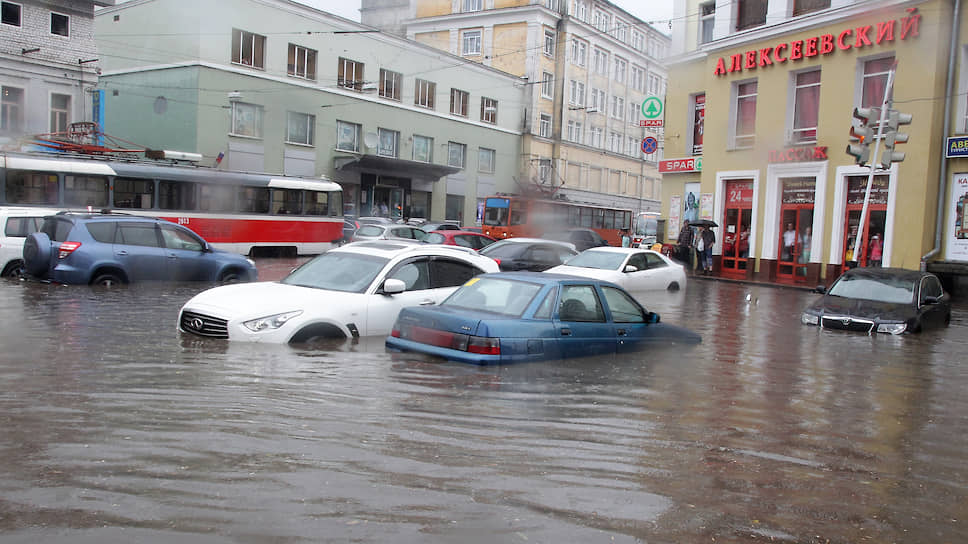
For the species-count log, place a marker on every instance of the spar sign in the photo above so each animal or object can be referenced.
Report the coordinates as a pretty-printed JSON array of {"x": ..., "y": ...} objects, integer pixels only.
[
  {"x": 688, "y": 164},
  {"x": 652, "y": 111}
]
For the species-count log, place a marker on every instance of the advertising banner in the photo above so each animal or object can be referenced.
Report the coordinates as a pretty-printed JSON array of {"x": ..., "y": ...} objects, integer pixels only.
[
  {"x": 956, "y": 233},
  {"x": 675, "y": 217}
]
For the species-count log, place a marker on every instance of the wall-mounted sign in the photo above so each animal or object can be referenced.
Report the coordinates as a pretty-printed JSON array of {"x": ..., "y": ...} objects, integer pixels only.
[
  {"x": 957, "y": 146},
  {"x": 799, "y": 154},
  {"x": 689, "y": 164}
]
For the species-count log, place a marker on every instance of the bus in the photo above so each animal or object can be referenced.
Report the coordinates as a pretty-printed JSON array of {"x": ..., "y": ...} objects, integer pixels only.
[
  {"x": 508, "y": 216},
  {"x": 645, "y": 229},
  {"x": 248, "y": 213}
]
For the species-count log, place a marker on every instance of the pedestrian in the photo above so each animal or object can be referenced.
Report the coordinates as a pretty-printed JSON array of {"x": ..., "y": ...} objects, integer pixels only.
[
  {"x": 684, "y": 244},
  {"x": 626, "y": 238},
  {"x": 707, "y": 238},
  {"x": 789, "y": 243},
  {"x": 876, "y": 251}
]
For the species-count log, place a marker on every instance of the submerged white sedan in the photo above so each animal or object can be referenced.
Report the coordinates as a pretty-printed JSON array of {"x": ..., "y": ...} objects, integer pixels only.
[
  {"x": 352, "y": 291},
  {"x": 633, "y": 268}
]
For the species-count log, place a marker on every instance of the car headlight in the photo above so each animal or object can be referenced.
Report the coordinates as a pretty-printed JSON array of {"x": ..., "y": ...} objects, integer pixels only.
[
  {"x": 809, "y": 319},
  {"x": 270, "y": 321},
  {"x": 892, "y": 328}
]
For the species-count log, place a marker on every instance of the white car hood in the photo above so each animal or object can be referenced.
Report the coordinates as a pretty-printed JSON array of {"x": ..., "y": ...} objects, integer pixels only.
[
  {"x": 252, "y": 300},
  {"x": 594, "y": 273}
]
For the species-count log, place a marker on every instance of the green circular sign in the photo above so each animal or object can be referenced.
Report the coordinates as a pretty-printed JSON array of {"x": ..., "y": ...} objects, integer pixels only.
[{"x": 652, "y": 108}]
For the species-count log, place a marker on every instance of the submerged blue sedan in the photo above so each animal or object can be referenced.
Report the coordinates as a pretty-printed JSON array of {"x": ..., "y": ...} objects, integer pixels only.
[{"x": 512, "y": 317}]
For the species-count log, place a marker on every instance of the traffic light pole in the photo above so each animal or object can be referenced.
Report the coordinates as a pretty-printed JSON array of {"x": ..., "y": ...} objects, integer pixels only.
[{"x": 860, "y": 245}]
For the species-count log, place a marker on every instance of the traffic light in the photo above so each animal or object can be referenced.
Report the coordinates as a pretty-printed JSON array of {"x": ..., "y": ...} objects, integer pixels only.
[
  {"x": 863, "y": 135},
  {"x": 892, "y": 137}
]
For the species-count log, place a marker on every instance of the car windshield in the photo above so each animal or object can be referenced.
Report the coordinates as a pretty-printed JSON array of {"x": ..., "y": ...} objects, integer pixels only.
[
  {"x": 338, "y": 271},
  {"x": 496, "y": 295},
  {"x": 435, "y": 238},
  {"x": 370, "y": 230},
  {"x": 879, "y": 289},
  {"x": 503, "y": 250},
  {"x": 602, "y": 260}
]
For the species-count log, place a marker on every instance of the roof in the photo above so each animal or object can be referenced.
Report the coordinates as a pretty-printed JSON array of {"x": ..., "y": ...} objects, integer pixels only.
[
  {"x": 391, "y": 248},
  {"x": 522, "y": 239}
]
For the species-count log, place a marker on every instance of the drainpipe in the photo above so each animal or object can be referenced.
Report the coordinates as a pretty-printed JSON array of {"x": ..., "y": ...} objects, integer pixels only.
[{"x": 943, "y": 180}]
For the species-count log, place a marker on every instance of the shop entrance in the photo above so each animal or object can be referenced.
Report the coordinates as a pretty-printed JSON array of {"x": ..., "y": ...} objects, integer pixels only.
[
  {"x": 873, "y": 238},
  {"x": 383, "y": 196},
  {"x": 796, "y": 229},
  {"x": 736, "y": 227}
]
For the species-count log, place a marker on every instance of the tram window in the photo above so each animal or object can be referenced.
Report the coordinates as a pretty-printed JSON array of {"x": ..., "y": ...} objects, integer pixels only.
[
  {"x": 176, "y": 195},
  {"x": 216, "y": 198},
  {"x": 597, "y": 219},
  {"x": 574, "y": 217},
  {"x": 254, "y": 200},
  {"x": 586, "y": 217},
  {"x": 31, "y": 187},
  {"x": 85, "y": 191},
  {"x": 519, "y": 214},
  {"x": 287, "y": 201},
  {"x": 133, "y": 193},
  {"x": 609, "y": 219},
  {"x": 495, "y": 217},
  {"x": 317, "y": 203},
  {"x": 335, "y": 203}
]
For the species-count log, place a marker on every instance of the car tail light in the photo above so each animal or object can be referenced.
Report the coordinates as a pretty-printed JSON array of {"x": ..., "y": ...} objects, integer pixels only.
[
  {"x": 498, "y": 261},
  {"x": 484, "y": 346},
  {"x": 445, "y": 339},
  {"x": 66, "y": 248}
]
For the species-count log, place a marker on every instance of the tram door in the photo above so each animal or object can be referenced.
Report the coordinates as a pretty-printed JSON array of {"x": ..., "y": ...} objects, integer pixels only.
[
  {"x": 736, "y": 227},
  {"x": 796, "y": 223}
]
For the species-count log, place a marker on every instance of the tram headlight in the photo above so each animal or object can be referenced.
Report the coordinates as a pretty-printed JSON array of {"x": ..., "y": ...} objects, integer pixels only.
[{"x": 270, "y": 321}]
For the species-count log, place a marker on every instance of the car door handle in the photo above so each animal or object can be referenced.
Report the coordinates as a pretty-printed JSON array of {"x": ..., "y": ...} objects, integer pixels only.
[
  {"x": 121, "y": 253},
  {"x": 566, "y": 332},
  {"x": 172, "y": 256},
  {"x": 622, "y": 332},
  {"x": 426, "y": 303}
]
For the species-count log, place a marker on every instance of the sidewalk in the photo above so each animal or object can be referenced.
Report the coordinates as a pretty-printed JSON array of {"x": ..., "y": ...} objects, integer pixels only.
[{"x": 695, "y": 276}]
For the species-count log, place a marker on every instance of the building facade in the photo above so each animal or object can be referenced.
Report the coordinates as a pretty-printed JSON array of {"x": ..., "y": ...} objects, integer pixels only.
[
  {"x": 586, "y": 65},
  {"x": 759, "y": 114},
  {"x": 276, "y": 86},
  {"x": 48, "y": 66}
]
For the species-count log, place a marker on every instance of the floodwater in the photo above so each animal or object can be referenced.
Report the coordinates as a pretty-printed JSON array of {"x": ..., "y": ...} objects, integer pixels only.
[{"x": 113, "y": 428}]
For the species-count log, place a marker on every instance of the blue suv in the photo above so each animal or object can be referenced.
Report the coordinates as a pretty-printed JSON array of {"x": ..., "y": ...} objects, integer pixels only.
[{"x": 109, "y": 248}]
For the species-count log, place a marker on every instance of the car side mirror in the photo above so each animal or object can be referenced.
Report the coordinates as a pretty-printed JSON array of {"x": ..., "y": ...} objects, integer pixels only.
[
  {"x": 631, "y": 268},
  {"x": 651, "y": 317},
  {"x": 206, "y": 247},
  {"x": 820, "y": 289},
  {"x": 930, "y": 299},
  {"x": 393, "y": 286}
]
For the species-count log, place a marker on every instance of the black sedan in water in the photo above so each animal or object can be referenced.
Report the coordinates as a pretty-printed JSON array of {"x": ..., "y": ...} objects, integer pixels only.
[{"x": 891, "y": 300}]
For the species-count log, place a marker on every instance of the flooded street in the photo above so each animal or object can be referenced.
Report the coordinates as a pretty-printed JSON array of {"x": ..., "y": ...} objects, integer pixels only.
[{"x": 113, "y": 428}]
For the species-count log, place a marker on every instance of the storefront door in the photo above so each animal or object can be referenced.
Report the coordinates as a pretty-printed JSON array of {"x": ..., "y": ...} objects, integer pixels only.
[
  {"x": 736, "y": 227},
  {"x": 796, "y": 225},
  {"x": 873, "y": 238}
]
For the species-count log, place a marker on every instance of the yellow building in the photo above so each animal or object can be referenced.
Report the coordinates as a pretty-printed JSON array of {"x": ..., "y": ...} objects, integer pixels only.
[
  {"x": 759, "y": 110},
  {"x": 589, "y": 66}
]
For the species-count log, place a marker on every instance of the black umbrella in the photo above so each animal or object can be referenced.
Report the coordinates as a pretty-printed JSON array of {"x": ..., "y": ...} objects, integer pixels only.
[{"x": 703, "y": 223}]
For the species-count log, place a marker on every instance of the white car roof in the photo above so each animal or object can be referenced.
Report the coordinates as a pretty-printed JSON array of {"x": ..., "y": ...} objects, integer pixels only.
[{"x": 390, "y": 249}]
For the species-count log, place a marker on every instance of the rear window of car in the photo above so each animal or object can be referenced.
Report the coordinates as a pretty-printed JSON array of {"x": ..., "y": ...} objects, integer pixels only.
[
  {"x": 504, "y": 251},
  {"x": 370, "y": 230},
  {"x": 57, "y": 228},
  {"x": 21, "y": 227}
]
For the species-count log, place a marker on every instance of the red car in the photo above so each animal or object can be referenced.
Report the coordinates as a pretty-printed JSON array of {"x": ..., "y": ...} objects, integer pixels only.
[{"x": 473, "y": 240}]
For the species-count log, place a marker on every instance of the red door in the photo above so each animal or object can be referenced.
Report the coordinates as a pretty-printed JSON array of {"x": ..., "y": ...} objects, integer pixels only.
[
  {"x": 796, "y": 236},
  {"x": 736, "y": 227},
  {"x": 867, "y": 251}
]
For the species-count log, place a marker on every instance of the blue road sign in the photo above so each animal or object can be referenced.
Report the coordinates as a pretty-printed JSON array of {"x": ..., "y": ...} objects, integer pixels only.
[{"x": 649, "y": 145}]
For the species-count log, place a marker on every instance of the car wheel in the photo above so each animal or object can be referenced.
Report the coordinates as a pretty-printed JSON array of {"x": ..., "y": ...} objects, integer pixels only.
[
  {"x": 107, "y": 279},
  {"x": 230, "y": 276},
  {"x": 674, "y": 286},
  {"x": 14, "y": 269},
  {"x": 37, "y": 254}
]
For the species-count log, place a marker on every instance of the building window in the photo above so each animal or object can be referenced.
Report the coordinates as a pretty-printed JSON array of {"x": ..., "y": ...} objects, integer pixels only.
[
  {"x": 391, "y": 84},
  {"x": 300, "y": 128},
  {"x": 349, "y": 74},
  {"x": 389, "y": 142},
  {"x": 707, "y": 19},
  {"x": 744, "y": 134},
  {"x": 698, "y": 123},
  {"x": 806, "y": 107},
  {"x": 456, "y": 154},
  {"x": 581, "y": 10},
  {"x": 486, "y": 159},
  {"x": 751, "y": 13},
  {"x": 547, "y": 85},
  {"x": 574, "y": 132},
  {"x": 458, "y": 102},
  {"x": 11, "y": 109},
  {"x": 60, "y": 24},
  {"x": 618, "y": 107},
  {"x": 598, "y": 101},
  {"x": 347, "y": 136},
  {"x": 302, "y": 62},
  {"x": 596, "y": 137},
  {"x": 423, "y": 148},
  {"x": 424, "y": 93},
  {"x": 875, "y": 81},
  {"x": 454, "y": 208},
  {"x": 614, "y": 142},
  {"x": 11, "y": 14},
  {"x": 634, "y": 113},
  {"x": 638, "y": 78},
  {"x": 60, "y": 112},
  {"x": 471, "y": 42},
  {"x": 655, "y": 85},
  {"x": 602, "y": 21},
  {"x": 579, "y": 52},
  {"x": 601, "y": 61},
  {"x": 544, "y": 170},
  {"x": 638, "y": 41},
  {"x": 544, "y": 126},
  {"x": 621, "y": 31},
  {"x": 472, "y": 5},
  {"x": 248, "y": 49},
  {"x": 577, "y": 95},
  {"x": 621, "y": 67},
  {"x": 549, "y": 43},
  {"x": 634, "y": 148},
  {"x": 801, "y": 7},
  {"x": 246, "y": 120},
  {"x": 488, "y": 110}
]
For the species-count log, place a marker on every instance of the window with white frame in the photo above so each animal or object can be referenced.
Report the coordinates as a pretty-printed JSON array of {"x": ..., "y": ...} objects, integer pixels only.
[
  {"x": 614, "y": 141},
  {"x": 248, "y": 49},
  {"x": 579, "y": 52},
  {"x": 602, "y": 21},
  {"x": 806, "y": 106},
  {"x": 544, "y": 125},
  {"x": 391, "y": 84},
  {"x": 471, "y": 42},
  {"x": 576, "y": 96},
  {"x": 349, "y": 74},
  {"x": 707, "y": 19},
  {"x": 744, "y": 131},
  {"x": 547, "y": 85},
  {"x": 472, "y": 5},
  {"x": 553, "y": 5},
  {"x": 389, "y": 142},
  {"x": 544, "y": 170},
  {"x": 581, "y": 10},
  {"x": 60, "y": 24},
  {"x": 618, "y": 107},
  {"x": 875, "y": 81},
  {"x": 458, "y": 102},
  {"x": 621, "y": 31},
  {"x": 246, "y": 120},
  {"x": 621, "y": 67},
  {"x": 598, "y": 101},
  {"x": 302, "y": 62},
  {"x": 424, "y": 92},
  {"x": 634, "y": 147},
  {"x": 600, "y": 58},
  {"x": 549, "y": 42},
  {"x": 486, "y": 159},
  {"x": 634, "y": 110},
  {"x": 11, "y": 109},
  {"x": 456, "y": 154},
  {"x": 597, "y": 133},
  {"x": 60, "y": 112},
  {"x": 488, "y": 110},
  {"x": 638, "y": 41},
  {"x": 348, "y": 136},
  {"x": 300, "y": 128},
  {"x": 801, "y": 7},
  {"x": 638, "y": 78},
  {"x": 423, "y": 148},
  {"x": 751, "y": 13},
  {"x": 655, "y": 85},
  {"x": 12, "y": 14},
  {"x": 574, "y": 132}
]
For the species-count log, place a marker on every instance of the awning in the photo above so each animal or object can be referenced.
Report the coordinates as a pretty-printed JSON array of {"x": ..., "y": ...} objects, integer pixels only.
[{"x": 395, "y": 167}]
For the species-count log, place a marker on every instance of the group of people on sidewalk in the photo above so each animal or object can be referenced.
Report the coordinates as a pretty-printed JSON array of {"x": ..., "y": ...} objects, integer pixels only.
[{"x": 701, "y": 242}]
